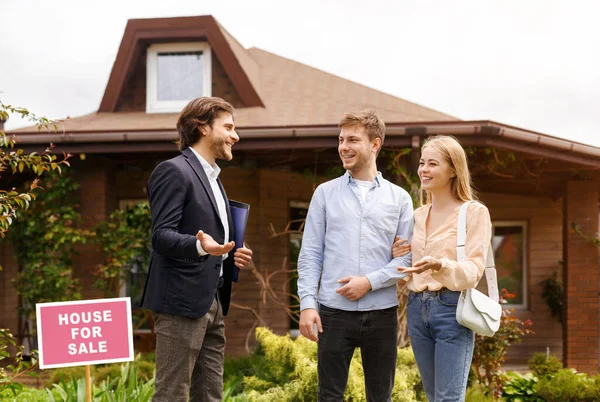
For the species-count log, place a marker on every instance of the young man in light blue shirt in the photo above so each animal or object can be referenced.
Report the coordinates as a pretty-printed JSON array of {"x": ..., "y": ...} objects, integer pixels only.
[{"x": 347, "y": 275}]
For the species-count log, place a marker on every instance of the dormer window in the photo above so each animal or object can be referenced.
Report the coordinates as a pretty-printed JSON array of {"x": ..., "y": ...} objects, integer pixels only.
[{"x": 176, "y": 74}]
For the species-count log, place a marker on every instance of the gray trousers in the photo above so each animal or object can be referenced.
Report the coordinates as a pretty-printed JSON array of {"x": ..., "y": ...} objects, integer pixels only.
[{"x": 189, "y": 357}]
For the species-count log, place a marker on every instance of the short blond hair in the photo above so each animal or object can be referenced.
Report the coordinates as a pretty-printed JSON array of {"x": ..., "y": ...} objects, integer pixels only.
[
  {"x": 369, "y": 120},
  {"x": 454, "y": 154}
]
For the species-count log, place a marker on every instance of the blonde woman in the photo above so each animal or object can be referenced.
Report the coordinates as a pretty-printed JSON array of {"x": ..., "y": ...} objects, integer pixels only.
[{"x": 443, "y": 348}]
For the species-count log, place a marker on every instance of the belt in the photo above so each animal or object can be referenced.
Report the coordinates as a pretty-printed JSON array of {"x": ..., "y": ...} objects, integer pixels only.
[{"x": 435, "y": 292}]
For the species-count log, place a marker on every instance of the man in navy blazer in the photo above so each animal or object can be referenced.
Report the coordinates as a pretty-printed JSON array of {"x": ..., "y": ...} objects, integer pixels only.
[{"x": 191, "y": 264}]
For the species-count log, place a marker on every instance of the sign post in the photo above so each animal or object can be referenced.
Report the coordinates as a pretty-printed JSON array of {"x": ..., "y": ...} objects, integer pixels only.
[
  {"x": 84, "y": 332},
  {"x": 88, "y": 384}
]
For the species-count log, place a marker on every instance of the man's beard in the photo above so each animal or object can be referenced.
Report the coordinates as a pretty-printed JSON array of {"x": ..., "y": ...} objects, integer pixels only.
[
  {"x": 218, "y": 147},
  {"x": 360, "y": 161}
]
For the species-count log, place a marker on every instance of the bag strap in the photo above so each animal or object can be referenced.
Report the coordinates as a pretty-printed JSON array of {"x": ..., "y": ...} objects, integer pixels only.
[{"x": 490, "y": 267}]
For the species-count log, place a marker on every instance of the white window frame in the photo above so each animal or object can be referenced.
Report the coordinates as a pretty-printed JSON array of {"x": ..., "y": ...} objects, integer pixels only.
[
  {"x": 153, "y": 105},
  {"x": 524, "y": 226}
]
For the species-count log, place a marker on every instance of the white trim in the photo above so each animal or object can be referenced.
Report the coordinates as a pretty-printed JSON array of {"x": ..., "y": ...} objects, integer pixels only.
[
  {"x": 524, "y": 226},
  {"x": 153, "y": 105}
]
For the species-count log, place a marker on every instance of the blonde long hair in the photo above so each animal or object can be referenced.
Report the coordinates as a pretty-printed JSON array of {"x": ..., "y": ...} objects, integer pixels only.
[{"x": 456, "y": 157}]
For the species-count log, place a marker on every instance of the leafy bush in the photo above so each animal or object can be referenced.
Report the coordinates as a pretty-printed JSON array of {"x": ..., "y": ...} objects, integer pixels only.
[
  {"x": 65, "y": 374},
  {"x": 478, "y": 393},
  {"x": 520, "y": 388},
  {"x": 543, "y": 366},
  {"x": 125, "y": 240},
  {"x": 17, "y": 368},
  {"x": 489, "y": 353},
  {"x": 144, "y": 368},
  {"x": 25, "y": 395},
  {"x": 568, "y": 385},
  {"x": 126, "y": 386},
  {"x": 286, "y": 370},
  {"x": 45, "y": 239}
]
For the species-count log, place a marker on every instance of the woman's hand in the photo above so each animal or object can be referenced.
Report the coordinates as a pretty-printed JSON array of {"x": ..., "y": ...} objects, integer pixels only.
[
  {"x": 423, "y": 265},
  {"x": 400, "y": 247}
]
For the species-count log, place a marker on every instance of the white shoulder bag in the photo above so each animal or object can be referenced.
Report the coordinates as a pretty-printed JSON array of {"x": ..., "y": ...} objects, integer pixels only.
[{"x": 475, "y": 310}]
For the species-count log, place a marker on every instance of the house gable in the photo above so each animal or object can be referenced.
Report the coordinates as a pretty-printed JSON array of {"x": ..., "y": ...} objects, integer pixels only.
[{"x": 235, "y": 74}]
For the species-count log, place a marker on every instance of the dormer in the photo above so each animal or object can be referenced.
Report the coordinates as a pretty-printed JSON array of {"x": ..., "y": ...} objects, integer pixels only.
[{"x": 164, "y": 63}]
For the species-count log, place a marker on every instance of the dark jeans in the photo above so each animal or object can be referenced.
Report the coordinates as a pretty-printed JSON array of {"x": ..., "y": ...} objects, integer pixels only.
[{"x": 375, "y": 333}]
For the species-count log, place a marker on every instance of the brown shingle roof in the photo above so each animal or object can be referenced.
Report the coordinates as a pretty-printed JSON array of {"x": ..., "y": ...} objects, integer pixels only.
[{"x": 293, "y": 93}]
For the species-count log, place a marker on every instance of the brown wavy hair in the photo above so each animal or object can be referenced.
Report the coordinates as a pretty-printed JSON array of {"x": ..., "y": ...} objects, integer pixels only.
[{"x": 195, "y": 115}]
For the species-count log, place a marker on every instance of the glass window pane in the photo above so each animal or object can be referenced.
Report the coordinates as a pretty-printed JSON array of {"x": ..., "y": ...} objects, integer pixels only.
[
  {"x": 179, "y": 76},
  {"x": 298, "y": 211},
  {"x": 509, "y": 258}
]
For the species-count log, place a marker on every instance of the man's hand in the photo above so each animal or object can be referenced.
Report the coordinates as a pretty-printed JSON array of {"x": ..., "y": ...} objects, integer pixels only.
[
  {"x": 400, "y": 247},
  {"x": 423, "y": 265},
  {"x": 211, "y": 246},
  {"x": 355, "y": 287},
  {"x": 308, "y": 318},
  {"x": 242, "y": 257}
]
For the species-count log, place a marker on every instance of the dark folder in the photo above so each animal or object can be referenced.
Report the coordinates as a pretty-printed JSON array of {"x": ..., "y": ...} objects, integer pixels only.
[{"x": 239, "y": 214}]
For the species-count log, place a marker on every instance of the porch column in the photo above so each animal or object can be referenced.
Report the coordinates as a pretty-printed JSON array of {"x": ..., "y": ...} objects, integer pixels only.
[{"x": 580, "y": 273}]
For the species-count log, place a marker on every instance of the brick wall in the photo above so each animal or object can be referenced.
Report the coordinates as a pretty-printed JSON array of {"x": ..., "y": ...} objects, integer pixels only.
[
  {"x": 581, "y": 277},
  {"x": 97, "y": 200},
  {"x": 269, "y": 194}
]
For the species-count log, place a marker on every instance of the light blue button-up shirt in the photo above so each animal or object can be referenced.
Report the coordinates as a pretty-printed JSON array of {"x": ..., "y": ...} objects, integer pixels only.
[{"x": 345, "y": 237}]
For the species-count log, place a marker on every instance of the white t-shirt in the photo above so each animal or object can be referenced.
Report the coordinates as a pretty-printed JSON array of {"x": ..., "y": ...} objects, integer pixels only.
[{"x": 364, "y": 187}]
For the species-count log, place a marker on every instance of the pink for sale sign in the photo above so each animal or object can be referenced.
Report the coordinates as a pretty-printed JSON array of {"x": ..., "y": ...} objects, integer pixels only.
[{"x": 84, "y": 332}]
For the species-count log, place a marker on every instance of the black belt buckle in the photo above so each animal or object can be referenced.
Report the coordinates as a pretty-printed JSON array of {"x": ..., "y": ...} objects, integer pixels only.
[{"x": 220, "y": 282}]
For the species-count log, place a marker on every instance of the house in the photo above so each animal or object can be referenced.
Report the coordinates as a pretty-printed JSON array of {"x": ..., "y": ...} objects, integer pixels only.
[{"x": 536, "y": 186}]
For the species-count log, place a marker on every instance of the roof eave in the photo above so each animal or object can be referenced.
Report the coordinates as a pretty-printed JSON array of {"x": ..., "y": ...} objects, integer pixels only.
[{"x": 470, "y": 133}]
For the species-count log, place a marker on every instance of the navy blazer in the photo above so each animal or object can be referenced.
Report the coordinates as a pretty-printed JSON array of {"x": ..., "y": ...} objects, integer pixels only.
[{"x": 181, "y": 200}]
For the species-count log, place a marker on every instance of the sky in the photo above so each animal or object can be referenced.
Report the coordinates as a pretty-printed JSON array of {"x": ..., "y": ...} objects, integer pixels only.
[{"x": 534, "y": 64}]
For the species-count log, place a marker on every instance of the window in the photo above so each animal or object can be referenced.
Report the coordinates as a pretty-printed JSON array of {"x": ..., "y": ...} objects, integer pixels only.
[
  {"x": 135, "y": 272},
  {"x": 510, "y": 245},
  {"x": 298, "y": 211},
  {"x": 176, "y": 74}
]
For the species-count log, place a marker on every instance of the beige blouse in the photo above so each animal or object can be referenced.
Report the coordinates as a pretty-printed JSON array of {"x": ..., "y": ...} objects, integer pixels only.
[{"x": 441, "y": 244}]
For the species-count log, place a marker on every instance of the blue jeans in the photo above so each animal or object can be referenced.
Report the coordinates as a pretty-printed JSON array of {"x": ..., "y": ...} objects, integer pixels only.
[
  {"x": 443, "y": 348},
  {"x": 375, "y": 333}
]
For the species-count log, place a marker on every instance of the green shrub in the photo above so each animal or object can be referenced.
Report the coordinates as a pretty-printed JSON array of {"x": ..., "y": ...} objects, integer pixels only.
[
  {"x": 489, "y": 353},
  {"x": 65, "y": 374},
  {"x": 25, "y": 395},
  {"x": 236, "y": 369},
  {"x": 125, "y": 386},
  {"x": 284, "y": 370},
  {"x": 477, "y": 393},
  {"x": 543, "y": 366},
  {"x": 520, "y": 388},
  {"x": 568, "y": 385},
  {"x": 144, "y": 368}
]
